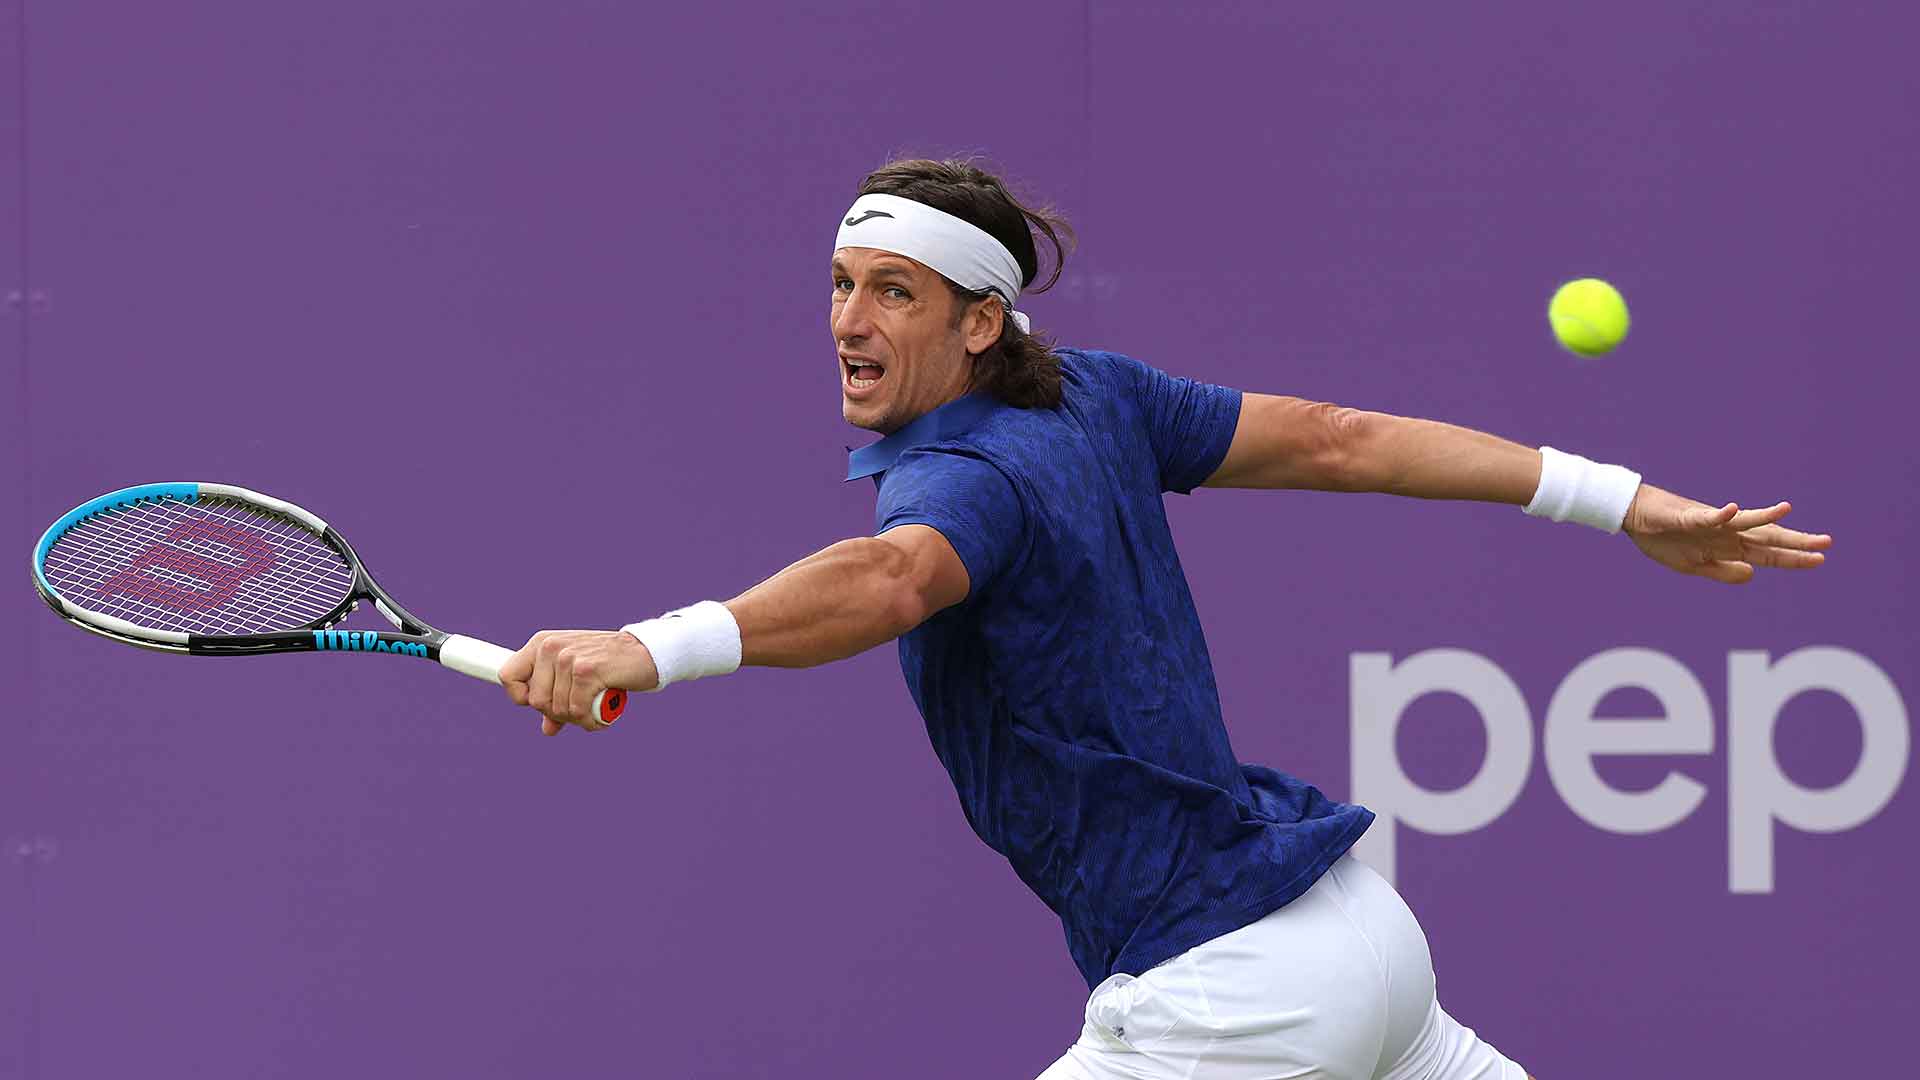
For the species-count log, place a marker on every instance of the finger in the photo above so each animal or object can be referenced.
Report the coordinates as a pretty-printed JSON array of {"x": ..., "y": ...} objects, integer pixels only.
[
  {"x": 1723, "y": 546},
  {"x": 1781, "y": 536},
  {"x": 540, "y": 683},
  {"x": 516, "y": 691},
  {"x": 1753, "y": 519},
  {"x": 1784, "y": 558},
  {"x": 1725, "y": 571},
  {"x": 550, "y": 726},
  {"x": 584, "y": 687},
  {"x": 562, "y": 691}
]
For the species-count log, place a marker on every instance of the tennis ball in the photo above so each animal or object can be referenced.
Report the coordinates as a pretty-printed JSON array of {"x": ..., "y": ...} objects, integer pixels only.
[{"x": 1588, "y": 316}]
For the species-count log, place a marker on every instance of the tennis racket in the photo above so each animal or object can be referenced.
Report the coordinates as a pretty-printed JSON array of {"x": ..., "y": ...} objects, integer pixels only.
[{"x": 214, "y": 570}]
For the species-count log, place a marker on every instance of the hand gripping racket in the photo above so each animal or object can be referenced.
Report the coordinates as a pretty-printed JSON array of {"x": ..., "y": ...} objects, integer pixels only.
[{"x": 213, "y": 570}]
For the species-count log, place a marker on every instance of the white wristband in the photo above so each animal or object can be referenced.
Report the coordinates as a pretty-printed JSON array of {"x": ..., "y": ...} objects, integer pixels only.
[
  {"x": 691, "y": 643},
  {"x": 1575, "y": 489}
]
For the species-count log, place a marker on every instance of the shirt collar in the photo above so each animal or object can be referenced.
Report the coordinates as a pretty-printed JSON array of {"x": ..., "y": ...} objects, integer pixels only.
[{"x": 944, "y": 422}]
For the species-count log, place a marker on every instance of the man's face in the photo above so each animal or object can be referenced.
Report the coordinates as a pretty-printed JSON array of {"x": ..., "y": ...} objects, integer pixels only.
[{"x": 902, "y": 353}]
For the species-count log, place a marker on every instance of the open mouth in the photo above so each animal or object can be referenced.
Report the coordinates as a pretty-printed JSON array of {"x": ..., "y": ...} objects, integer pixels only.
[{"x": 862, "y": 374}]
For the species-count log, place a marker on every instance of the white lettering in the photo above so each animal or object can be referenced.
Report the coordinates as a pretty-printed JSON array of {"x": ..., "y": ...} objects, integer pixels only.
[
  {"x": 1760, "y": 794},
  {"x": 1381, "y": 693},
  {"x": 1574, "y": 738}
]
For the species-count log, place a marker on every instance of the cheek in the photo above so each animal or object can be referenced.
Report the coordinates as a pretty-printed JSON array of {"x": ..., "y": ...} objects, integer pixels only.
[{"x": 922, "y": 338}]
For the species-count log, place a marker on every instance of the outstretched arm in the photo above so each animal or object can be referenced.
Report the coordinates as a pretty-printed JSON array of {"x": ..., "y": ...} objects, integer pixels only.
[
  {"x": 845, "y": 599},
  {"x": 1283, "y": 442},
  {"x": 837, "y": 602}
]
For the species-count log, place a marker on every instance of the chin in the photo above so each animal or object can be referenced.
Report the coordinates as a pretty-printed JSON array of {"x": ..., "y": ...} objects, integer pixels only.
[{"x": 863, "y": 415}]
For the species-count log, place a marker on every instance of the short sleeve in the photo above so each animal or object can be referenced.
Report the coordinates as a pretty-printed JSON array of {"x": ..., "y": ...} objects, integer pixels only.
[
  {"x": 1189, "y": 423},
  {"x": 965, "y": 499}
]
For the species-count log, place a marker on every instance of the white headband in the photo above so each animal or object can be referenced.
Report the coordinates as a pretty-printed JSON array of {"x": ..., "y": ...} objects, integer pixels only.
[{"x": 963, "y": 253}]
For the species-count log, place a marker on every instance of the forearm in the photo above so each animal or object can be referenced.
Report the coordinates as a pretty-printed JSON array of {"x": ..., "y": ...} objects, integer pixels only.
[
  {"x": 835, "y": 603},
  {"x": 1427, "y": 459}
]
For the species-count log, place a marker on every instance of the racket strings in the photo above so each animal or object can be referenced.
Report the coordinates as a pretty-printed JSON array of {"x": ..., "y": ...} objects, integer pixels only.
[
  {"x": 159, "y": 573},
  {"x": 216, "y": 566},
  {"x": 182, "y": 574},
  {"x": 174, "y": 585}
]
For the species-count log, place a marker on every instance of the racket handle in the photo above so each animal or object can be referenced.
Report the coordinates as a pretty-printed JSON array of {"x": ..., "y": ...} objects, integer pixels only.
[
  {"x": 608, "y": 704},
  {"x": 483, "y": 660}
]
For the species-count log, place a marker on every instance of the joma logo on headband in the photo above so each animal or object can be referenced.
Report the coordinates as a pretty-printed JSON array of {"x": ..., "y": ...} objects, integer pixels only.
[{"x": 852, "y": 221}]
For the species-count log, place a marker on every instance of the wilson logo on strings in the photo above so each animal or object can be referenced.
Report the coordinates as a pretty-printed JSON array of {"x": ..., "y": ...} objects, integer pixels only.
[
  {"x": 364, "y": 641},
  {"x": 223, "y": 580}
]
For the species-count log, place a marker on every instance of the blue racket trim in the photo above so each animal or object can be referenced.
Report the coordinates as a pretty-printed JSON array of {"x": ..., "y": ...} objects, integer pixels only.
[{"x": 123, "y": 497}]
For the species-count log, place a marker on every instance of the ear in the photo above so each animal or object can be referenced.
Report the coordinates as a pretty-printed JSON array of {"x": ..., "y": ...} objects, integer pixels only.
[{"x": 981, "y": 324}]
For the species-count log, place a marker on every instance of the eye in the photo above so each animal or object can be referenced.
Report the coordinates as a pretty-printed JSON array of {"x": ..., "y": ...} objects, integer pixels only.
[
  {"x": 843, "y": 284},
  {"x": 898, "y": 293}
]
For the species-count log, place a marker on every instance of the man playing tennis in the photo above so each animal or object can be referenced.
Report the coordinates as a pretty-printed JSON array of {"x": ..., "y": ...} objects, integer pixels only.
[{"x": 1024, "y": 562}]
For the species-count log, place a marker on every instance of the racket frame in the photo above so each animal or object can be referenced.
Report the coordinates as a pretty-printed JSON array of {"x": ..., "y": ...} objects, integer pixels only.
[
  {"x": 410, "y": 636},
  {"x": 408, "y": 628}
]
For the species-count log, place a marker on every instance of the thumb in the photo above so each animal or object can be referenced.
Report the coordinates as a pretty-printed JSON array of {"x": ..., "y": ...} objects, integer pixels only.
[
  {"x": 550, "y": 726},
  {"x": 519, "y": 666},
  {"x": 1709, "y": 517}
]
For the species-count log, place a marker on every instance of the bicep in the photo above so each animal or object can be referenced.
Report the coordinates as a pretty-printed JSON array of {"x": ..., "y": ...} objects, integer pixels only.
[
  {"x": 936, "y": 575},
  {"x": 1287, "y": 442}
]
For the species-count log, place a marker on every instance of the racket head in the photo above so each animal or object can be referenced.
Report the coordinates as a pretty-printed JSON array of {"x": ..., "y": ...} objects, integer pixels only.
[{"x": 157, "y": 564}]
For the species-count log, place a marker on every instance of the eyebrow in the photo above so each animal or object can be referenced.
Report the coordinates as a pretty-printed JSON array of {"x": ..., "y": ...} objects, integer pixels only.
[{"x": 893, "y": 270}]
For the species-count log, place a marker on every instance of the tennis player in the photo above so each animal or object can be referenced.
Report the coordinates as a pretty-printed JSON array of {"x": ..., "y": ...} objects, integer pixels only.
[{"x": 1023, "y": 561}]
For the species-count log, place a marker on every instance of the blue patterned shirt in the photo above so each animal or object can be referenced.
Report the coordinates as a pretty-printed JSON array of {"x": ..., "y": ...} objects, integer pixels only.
[{"x": 1070, "y": 696}]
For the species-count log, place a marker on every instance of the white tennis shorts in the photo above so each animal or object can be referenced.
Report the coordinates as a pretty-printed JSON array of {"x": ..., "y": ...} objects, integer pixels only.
[{"x": 1337, "y": 985}]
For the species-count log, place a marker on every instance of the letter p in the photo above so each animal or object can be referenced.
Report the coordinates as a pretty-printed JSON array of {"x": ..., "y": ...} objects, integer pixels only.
[
  {"x": 1760, "y": 794},
  {"x": 1381, "y": 692}
]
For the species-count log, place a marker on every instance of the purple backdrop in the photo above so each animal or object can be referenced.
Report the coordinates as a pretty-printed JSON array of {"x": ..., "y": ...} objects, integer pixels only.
[{"x": 529, "y": 298}]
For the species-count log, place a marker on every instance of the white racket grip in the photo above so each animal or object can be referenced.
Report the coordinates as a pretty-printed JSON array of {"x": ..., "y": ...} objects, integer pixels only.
[
  {"x": 484, "y": 659},
  {"x": 471, "y": 656}
]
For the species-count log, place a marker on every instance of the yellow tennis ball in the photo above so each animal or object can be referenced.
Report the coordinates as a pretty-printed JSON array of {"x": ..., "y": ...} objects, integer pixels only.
[{"x": 1588, "y": 316}]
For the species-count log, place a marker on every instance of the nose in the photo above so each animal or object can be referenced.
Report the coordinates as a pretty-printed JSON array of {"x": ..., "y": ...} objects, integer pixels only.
[{"x": 853, "y": 316}]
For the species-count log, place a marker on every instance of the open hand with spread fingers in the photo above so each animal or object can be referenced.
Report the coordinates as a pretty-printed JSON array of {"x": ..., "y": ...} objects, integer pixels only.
[{"x": 1724, "y": 544}]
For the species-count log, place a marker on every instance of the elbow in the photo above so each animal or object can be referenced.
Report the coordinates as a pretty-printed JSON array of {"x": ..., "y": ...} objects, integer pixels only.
[
  {"x": 908, "y": 610},
  {"x": 1341, "y": 460}
]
